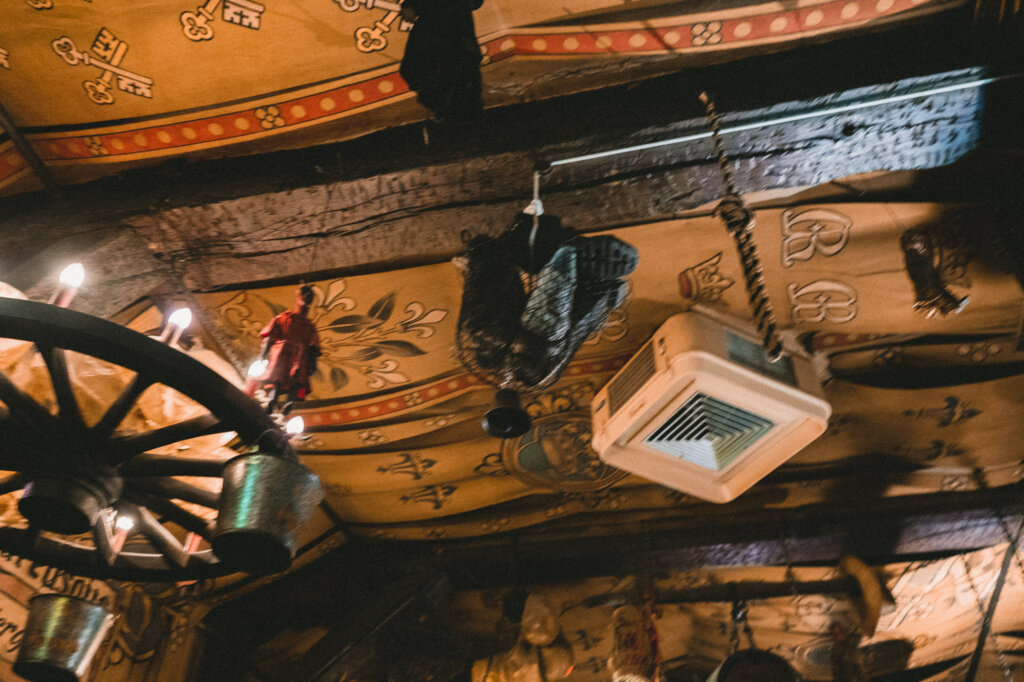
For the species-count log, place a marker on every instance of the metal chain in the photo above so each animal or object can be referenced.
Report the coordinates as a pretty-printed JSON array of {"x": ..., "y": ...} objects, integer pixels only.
[
  {"x": 1004, "y": 666},
  {"x": 787, "y": 556},
  {"x": 740, "y": 621},
  {"x": 734, "y": 637},
  {"x": 1013, "y": 546},
  {"x": 740, "y": 222},
  {"x": 1011, "y": 538}
]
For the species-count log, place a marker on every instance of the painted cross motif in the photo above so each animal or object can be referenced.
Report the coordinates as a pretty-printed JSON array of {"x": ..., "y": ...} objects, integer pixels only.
[
  {"x": 5, "y": 59},
  {"x": 824, "y": 300},
  {"x": 953, "y": 411},
  {"x": 374, "y": 38},
  {"x": 108, "y": 53},
  {"x": 410, "y": 464},
  {"x": 813, "y": 231},
  {"x": 434, "y": 495},
  {"x": 245, "y": 13}
]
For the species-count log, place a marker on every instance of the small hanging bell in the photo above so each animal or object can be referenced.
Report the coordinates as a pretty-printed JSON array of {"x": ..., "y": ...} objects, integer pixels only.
[{"x": 506, "y": 419}]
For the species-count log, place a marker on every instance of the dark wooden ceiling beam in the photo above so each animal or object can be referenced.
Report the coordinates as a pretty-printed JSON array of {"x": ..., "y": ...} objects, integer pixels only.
[
  {"x": 390, "y": 199},
  {"x": 916, "y": 525}
]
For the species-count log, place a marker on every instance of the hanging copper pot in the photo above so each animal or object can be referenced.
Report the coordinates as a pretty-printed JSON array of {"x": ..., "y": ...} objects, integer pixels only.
[
  {"x": 264, "y": 500},
  {"x": 61, "y": 638},
  {"x": 754, "y": 664}
]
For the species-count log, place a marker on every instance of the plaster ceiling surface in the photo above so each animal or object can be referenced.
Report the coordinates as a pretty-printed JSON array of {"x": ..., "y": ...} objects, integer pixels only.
[
  {"x": 97, "y": 88},
  {"x": 921, "y": 406}
]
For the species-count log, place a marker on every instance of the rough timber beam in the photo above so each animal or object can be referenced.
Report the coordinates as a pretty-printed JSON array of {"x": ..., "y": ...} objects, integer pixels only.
[{"x": 405, "y": 195}]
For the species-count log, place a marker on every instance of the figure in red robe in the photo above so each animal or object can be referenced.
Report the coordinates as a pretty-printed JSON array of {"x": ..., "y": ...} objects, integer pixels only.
[{"x": 291, "y": 346}]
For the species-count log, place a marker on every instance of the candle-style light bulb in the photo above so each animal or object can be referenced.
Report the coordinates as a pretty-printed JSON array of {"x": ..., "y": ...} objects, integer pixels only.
[
  {"x": 257, "y": 368},
  {"x": 180, "y": 318},
  {"x": 73, "y": 275},
  {"x": 70, "y": 279},
  {"x": 177, "y": 322},
  {"x": 295, "y": 426},
  {"x": 123, "y": 525}
]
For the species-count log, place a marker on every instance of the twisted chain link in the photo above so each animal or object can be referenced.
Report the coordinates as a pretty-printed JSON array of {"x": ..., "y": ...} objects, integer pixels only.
[{"x": 740, "y": 222}]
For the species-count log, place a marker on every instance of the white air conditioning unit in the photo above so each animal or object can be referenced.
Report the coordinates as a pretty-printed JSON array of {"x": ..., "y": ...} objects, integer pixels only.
[{"x": 701, "y": 409}]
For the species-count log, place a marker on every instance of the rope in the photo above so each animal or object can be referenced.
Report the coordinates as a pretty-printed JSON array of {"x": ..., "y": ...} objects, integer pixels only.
[{"x": 739, "y": 221}]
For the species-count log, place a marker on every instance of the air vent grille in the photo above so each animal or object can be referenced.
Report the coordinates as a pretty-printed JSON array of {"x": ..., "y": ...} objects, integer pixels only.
[
  {"x": 631, "y": 379},
  {"x": 708, "y": 432}
]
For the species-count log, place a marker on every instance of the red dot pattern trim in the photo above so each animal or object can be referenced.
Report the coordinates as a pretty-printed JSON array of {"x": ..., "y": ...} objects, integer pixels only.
[
  {"x": 235, "y": 125},
  {"x": 697, "y": 36},
  {"x": 434, "y": 392},
  {"x": 690, "y": 37}
]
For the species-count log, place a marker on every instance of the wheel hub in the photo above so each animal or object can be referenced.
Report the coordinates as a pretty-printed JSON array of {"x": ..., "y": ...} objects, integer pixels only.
[{"x": 70, "y": 504}]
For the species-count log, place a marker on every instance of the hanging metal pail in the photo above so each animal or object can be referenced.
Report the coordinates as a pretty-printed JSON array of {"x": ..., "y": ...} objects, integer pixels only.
[
  {"x": 754, "y": 664},
  {"x": 61, "y": 638},
  {"x": 264, "y": 500}
]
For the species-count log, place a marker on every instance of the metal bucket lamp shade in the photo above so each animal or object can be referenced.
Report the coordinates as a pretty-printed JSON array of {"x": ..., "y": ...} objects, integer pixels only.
[
  {"x": 61, "y": 638},
  {"x": 754, "y": 664},
  {"x": 264, "y": 500}
]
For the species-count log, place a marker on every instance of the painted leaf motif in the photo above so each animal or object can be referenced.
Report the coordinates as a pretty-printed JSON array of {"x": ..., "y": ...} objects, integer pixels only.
[
  {"x": 363, "y": 354},
  {"x": 275, "y": 308},
  {"x": 348, "y": 324},
  {"x": 339, "y": 379},
  {"x": 383, "y": 307},
  {"x": 400, "y": 348}
]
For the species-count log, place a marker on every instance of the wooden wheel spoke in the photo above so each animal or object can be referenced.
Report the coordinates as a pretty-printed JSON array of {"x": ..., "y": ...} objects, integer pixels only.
[
  {"x": 119, "y": 409},
  {"x": 121, "y": 448},
  {"x": 172, "y": 512},
  {"x": 161, "y": 538},
  {"x": 148, "y": 464},
  {"x": 22, "y": 406},
  {"x": 9, "y": 484},
  {"x": 56, "y": 365},
  {"x": 39, "y": 439},
  {"x": 174, "y": 489}
]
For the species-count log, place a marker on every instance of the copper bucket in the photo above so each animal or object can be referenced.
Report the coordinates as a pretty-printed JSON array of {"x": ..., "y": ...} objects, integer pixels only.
[
  {"x": 61, "y": 638},
  {"x": 264, "y": 500},
  {"x": 754, "y": 664}
]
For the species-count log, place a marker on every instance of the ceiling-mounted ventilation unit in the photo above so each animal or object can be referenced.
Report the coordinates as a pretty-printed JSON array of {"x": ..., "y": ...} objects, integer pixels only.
[{"x": 700, "y": 409}]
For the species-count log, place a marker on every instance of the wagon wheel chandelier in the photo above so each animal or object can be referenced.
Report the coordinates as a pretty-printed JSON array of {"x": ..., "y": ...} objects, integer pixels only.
[{"x": 89, "y": 487}]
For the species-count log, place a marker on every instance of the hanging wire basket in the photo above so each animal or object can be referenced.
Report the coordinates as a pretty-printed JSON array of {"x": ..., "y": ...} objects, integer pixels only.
[{"x": 532, "y": 296}]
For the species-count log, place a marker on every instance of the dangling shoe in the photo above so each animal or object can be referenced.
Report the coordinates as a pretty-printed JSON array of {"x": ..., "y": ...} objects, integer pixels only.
[
  {"x": 604, "y": 257},
  {"x": 549, "y": 305}
]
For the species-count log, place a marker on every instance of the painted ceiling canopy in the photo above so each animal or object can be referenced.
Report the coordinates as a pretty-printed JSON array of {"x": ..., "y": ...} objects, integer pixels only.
[
  {"x": 99, "y": 87},
  {"x": 395, "y": 419},
  {"x": 923, "y": 406},
  {"x": 926, "y": 404}
]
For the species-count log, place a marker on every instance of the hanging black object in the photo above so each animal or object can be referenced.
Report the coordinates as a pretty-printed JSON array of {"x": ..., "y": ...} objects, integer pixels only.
[
  {"x": 931, "y": 295},
  {"x": 442, "y": 57},
  {"x": 506, "y": 419},
  {"x": 531, "y": 297},
  {"x": 754, "y": 664}
]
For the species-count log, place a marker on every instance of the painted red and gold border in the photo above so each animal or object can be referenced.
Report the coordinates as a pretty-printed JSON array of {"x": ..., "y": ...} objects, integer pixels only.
[
  {"x": 432, "y": 392},
  {"x": 732, "y": 29}
]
